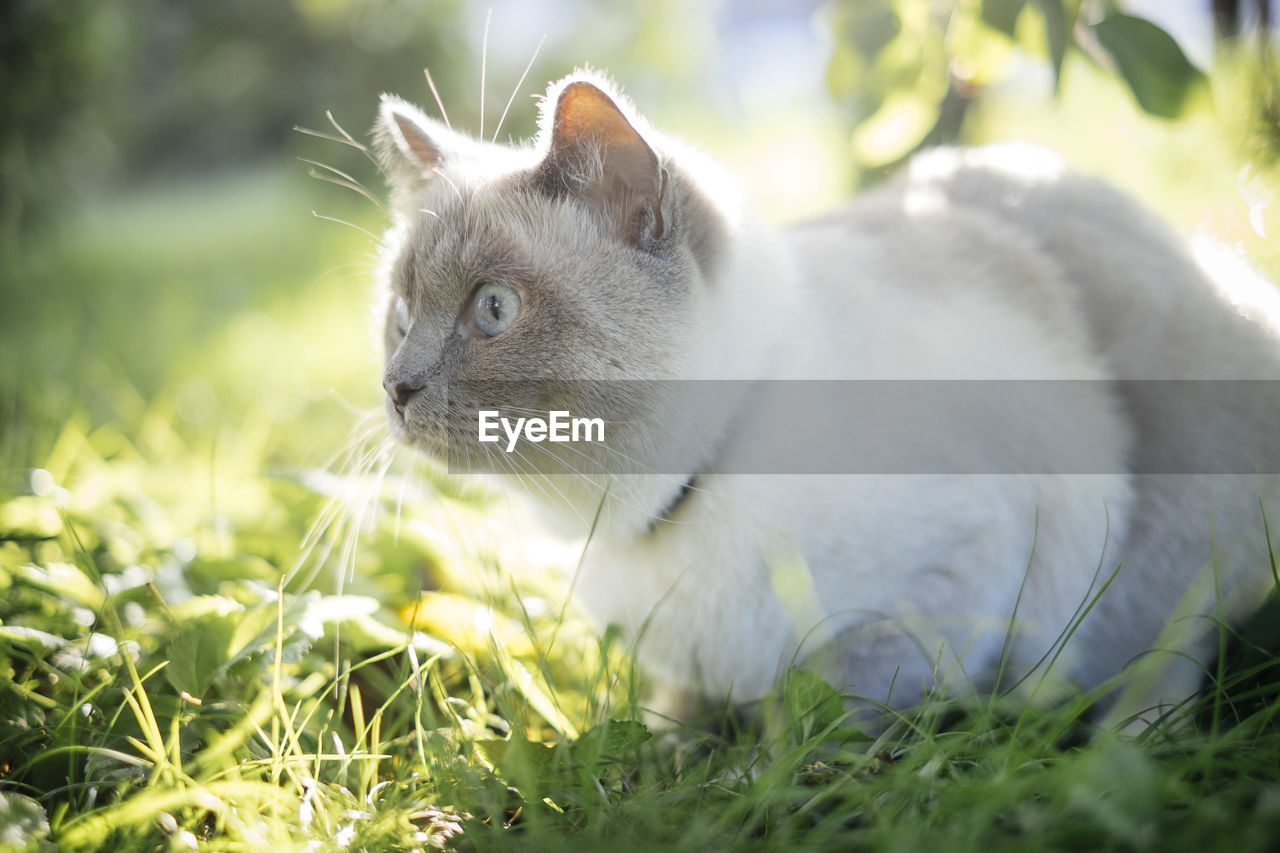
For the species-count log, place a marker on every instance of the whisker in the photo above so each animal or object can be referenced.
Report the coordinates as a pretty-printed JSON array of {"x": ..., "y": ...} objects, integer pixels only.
[
  {"x": 344, "y": 273},
  {"x": 501, "y": 461},
  {"x": 517, "y": 455},
  {"x": 356, "y": 460},
  {"x": 324, "y": 532},
  {"x": 404, "y": 484},
  {"x": 358, "y": 468},
  {"x": 368, "y": 497},
  {"x": 343, "y": 139},
  {"x": 364, "y": 429},
  {"x": 364, "y": 149},
  {"x": 438, "y": 171},
  {"x": 505, "y": 460},
  {"x": 328, "y": 137},
  {"x": 364, "y": 231},
  {"x": 516, "y": 90},
  {"x": 439, "y": 102},
  {"x": 367, "y": 265},
  {"x": 342, "y": 179},
  {"x": 484, "y": 57},
  {"x": 547, "y": 478},
  {"x": 363, "y": 500}
]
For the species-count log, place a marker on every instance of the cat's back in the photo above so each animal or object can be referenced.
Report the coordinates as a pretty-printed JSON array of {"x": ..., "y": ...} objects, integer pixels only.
[
  {"x": 1191, "y": 332},
  {"x": 1156, "y": 307},
  {"x": 921, "y": 287},
  {"x": 1110, "y": 289}
]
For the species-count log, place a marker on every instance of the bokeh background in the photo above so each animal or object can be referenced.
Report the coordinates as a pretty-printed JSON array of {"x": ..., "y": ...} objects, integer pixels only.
[{"x": 170, "y": 266}]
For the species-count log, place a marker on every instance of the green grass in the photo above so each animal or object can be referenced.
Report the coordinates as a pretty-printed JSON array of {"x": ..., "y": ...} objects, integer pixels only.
[{"x": 229, "y": 618}]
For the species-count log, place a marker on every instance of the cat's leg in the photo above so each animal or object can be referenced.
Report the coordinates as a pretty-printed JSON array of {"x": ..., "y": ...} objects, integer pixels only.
[
  {"x": 894, "y": 670},
  {"x": 947, "y": 638}
]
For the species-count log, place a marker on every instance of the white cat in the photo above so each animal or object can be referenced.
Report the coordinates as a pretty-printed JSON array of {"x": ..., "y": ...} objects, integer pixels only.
[{"x": 608, "y": 270}]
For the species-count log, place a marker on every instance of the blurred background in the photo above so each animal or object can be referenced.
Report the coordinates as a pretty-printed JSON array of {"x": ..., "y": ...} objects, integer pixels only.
[{"x": 177, "y": 286}]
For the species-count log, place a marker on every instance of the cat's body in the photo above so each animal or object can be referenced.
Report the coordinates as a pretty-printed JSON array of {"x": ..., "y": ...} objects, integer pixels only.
[{"x": 617, "y": 255}]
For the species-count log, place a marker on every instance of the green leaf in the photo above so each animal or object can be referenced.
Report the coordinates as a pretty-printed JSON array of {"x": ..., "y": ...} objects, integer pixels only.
[
  {"x": 1002, "y": 15},
  {"x": 896, "y": 128},
  {"x": 979, "y": 53},
  {"x": 65, "y": 581},
  {"x": 863, "y": 29},
  {"x": 199, "y": 651},
  {"x": 517, "y": 756},
  {"x": 811, "y": 704},
  {"x": 609, "y": 740},
  {"x": 867, "y": 25},
  {"x": 622, "y": 736},
  {"x": 1058, "y": 24},
  {"x": 29, "y": 517},
  {"x": 1162, "y": 79}
]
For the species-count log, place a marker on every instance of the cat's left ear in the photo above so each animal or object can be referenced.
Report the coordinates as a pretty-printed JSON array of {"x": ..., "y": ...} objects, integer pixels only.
[
  {"x": 405, "y": 147},
  {"x": 596, "y": 154}
]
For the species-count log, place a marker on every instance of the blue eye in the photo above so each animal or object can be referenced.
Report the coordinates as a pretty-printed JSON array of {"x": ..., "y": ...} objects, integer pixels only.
[
  {"x": 495, "y": 307},
  {"x": 401, "y": 309}
]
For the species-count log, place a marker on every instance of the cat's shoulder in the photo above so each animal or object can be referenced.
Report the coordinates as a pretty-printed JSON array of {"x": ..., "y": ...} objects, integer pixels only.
[{"x": 940, "y": 231}]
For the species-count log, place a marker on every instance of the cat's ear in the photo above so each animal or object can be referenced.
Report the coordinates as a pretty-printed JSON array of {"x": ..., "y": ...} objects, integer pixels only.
[
  {"x": 405, "y": 147},
  {"x": 596, "y": 154}
]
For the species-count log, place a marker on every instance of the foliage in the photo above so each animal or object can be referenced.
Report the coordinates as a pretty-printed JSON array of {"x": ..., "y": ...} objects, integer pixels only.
[
  {"x": 150, "y": 88},
  {"x": 166, "y": 693},
  {"x": 908, "y": 70},
  {"x": 100, "y": 96}
]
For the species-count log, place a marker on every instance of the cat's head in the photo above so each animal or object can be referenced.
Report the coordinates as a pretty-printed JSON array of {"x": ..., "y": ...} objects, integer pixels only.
[{"x": 591, "y": 254}]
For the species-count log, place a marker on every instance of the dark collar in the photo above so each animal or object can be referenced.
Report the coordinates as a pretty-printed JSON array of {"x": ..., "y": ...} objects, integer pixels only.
[
  {"x": 687, "y": 487},
  {"x": 676, "y": 502}
]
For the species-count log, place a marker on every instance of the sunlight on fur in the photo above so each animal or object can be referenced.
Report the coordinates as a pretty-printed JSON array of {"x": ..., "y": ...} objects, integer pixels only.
[{"x": 638, "y": 260}]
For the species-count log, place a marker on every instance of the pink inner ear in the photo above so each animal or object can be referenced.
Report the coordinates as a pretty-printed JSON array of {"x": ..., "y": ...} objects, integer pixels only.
[
  {"x": 420, "y": 146},
  {"x": 587, "y": 118},
  {"x": 585, "y": 111}
]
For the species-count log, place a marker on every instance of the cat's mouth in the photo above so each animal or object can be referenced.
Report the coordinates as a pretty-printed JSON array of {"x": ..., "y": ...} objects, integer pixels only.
[
  {"x": 524, "y": 434},
  {"x": 421, "y": 425},
  {"x": 445, "y": 428}
]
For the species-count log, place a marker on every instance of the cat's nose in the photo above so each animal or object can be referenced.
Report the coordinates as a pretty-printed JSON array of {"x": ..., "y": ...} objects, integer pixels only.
[{"x": 400, "y": 392}]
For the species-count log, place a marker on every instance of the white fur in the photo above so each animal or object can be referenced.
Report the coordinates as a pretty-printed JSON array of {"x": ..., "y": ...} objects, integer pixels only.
[{"x": 996, "y": 263}]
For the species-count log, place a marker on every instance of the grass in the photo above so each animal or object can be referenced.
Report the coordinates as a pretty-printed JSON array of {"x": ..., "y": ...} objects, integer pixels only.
[{"x": 222, "y": 628}]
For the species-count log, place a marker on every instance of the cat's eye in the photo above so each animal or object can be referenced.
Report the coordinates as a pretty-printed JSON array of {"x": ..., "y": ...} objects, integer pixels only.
[
  {"x": 401, "y": 310},
  {"x": 494, "y": 307}
]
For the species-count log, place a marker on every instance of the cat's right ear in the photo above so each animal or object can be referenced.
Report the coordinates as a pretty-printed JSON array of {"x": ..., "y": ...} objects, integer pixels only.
[
  {"x": 405, "y": 149},
  {"x": 596, "y": 154}
]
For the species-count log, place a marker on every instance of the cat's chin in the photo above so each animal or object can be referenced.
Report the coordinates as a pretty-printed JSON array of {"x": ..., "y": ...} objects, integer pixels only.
[
  {"x": 422, "y": 437},
  {"x": 455, "y": 454},
  {"x": 422, "y": 441},
  {"x": 427, "y": 444}
]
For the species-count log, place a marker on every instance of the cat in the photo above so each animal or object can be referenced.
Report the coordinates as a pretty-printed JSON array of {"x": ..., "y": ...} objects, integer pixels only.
[{"x": 606, "y": 269}]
